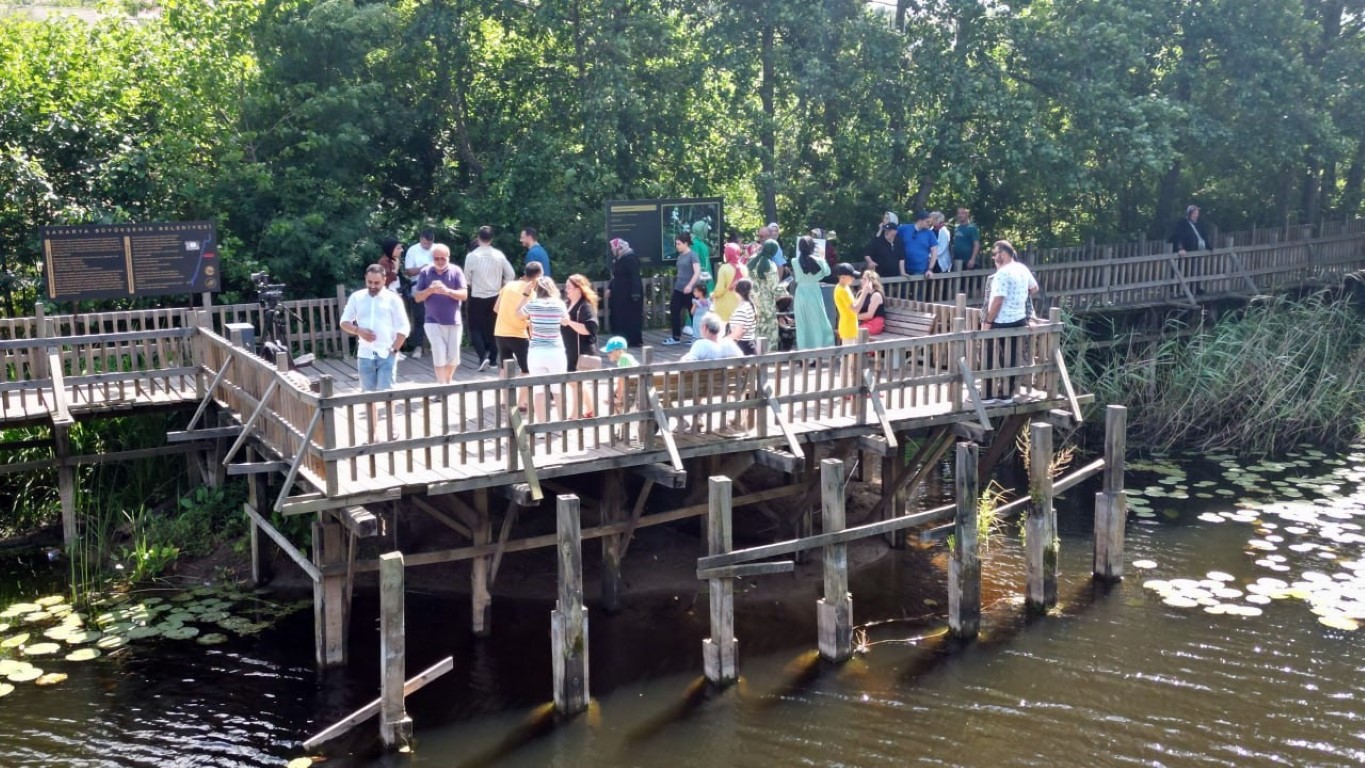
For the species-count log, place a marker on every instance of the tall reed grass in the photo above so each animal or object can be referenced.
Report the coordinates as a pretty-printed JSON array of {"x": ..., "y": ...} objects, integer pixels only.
[{"x": 1278, "y": 373}]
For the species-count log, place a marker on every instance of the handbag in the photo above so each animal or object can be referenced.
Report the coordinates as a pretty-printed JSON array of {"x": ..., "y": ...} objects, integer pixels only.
[{"x": 589, "y": 363}]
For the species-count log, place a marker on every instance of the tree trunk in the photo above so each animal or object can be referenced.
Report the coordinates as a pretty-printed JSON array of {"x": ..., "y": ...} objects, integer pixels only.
[{"x": 768, "y": 132}]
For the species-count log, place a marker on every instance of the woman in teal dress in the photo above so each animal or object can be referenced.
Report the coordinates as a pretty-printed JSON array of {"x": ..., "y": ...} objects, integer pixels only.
[{"x": 812, "y": 322}]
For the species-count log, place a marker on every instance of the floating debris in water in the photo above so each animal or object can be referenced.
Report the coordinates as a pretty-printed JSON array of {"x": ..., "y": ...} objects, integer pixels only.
[{"x": 1145, "y": 565}]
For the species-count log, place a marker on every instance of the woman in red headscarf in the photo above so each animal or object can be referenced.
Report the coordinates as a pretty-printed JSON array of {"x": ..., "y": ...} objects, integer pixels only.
[{"x": 724, "y": 299}]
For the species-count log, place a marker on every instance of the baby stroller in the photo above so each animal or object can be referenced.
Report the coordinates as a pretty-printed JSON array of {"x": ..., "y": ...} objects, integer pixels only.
[{"x": 786, "y": 324}]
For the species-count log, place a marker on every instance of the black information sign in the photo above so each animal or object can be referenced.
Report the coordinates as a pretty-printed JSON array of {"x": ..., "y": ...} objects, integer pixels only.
[
  {"x": 650, "y": 225},
  {"x": 111, "y": 261}
]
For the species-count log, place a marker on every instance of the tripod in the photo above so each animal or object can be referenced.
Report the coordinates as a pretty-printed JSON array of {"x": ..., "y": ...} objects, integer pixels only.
[{"x": 275, "y": 327}]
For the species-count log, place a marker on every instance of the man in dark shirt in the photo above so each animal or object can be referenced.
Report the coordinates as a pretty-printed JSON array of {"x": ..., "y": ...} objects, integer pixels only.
[
  {"x": 1188, "y": 234},
  {"x": 883, "y": 252}
]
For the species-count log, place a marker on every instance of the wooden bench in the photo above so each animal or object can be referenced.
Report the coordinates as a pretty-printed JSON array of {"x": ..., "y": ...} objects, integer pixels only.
[{"x": 904, "y": 321}]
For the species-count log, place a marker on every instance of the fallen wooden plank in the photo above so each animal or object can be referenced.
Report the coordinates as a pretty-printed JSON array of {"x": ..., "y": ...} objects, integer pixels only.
[
  {"x": 368, "y": 711},
  {"x": 747, "y": 569}
]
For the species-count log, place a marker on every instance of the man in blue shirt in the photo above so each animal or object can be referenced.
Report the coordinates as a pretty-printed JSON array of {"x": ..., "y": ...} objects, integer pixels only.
[
  {"x": 921, "y": 246},
  {"x": 534, "y": 250}
]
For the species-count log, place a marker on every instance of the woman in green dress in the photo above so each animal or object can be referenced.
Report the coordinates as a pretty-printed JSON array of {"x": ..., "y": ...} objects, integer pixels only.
[
  {"x": 812, "y": 323},
  {"x": 763, "y": 275}
]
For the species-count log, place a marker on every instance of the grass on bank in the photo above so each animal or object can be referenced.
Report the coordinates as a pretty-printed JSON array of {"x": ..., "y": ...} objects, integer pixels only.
[{"x": 1278, "y": 373}]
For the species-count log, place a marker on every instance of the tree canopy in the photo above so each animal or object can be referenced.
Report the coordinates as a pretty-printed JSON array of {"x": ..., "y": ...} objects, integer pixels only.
[{"x": 309, "y": 130}]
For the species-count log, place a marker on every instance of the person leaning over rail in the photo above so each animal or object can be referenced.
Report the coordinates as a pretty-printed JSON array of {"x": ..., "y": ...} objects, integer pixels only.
[
  {"x": 378, "y": 317},
  {"x": 1007, "y": 306}
]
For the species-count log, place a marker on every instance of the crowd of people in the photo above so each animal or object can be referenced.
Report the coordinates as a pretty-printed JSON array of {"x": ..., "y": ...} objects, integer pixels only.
[{"x": 419, "y": 297}]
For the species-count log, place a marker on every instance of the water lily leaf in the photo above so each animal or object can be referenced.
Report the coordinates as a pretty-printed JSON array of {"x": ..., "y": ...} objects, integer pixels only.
[
  {"x": 213, "y": 638},
  {"x": 51, "y": 678},
  {"x": 110, "y": 642},
  {"x": 300, "y": 762},
  {"x": 26, "y": 675},
  {"x": 3, "y": 628},
  {"x": 36, "y": 617},
  {"x": 59, "y": 632},
  {"x": 5, "y": 690},
  {"x": 49, "y": 601},
  {"x": 84, "y": 654},
  {"x": 1144, "y": 565},
  {"x": 181, "y": 597},
  {"x": 12, "y": 665},
  {"x": 1338, "y": 621},
  {"x": 179, "y": 617},
  {"x": 142, "y": 633},
  {"x": 82, "y": 636},
  {"x": 41, "y": 649},
  {"x": 180, "y": 633},
  {"x": 150, "y": 601},
  {"x": 16, "y": 641},
  {"x": 19, "y": 609},
  {"x": 213, "y": 616}
]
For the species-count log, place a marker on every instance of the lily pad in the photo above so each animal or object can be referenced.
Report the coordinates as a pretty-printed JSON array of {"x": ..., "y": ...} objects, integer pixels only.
[
  {"x": 213, "y": 616},
  {"x": 41, "y": 649},
  {"x": 1144, "y": 565},
  {"x": 142, "y": 633},
  {"x": 12, "y": 665},
  {"x": 181, "y": 633},
  {"x": 16, "y": 641},
  {"x": 37, "y": 617},
  {"x": 181, "y": 597},
  {"x": 49, "y": 601},
  {"x": 213, "y": 638},
  {"x": 179, "y": 617},
  {"x": 110, "y": 642},
  {"x": 26, "y": 675},
  {"x": 1337, "y": 621},
  {"x": 300, "y": 762},
  {"x": 60, "y": 632},
  {"x": 84, "y": 654},
  {"x": 19, "y": 609},
  {"x": 5, "y": 690},
  {"x": 82, "y": 636},
  {"x": 51, "y": 678}
]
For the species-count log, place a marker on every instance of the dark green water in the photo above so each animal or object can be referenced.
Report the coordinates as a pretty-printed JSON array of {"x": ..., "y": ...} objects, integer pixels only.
[{"x": 1114, "y": 677}]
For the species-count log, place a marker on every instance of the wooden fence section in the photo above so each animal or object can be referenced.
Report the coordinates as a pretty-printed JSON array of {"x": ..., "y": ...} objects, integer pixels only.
[
  {"x": 446, "y": 438},
  {"x": 314, "y": 324},
  {"x": 1142, "y": 246}
]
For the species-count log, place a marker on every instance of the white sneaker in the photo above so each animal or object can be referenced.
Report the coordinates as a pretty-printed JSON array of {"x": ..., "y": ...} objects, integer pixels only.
[
  {"x": 687, "y": 331},
  {"x": 483, "y": 365},
  {"x": 417, "y": 354},
  {"x": 670, "y": 342}
]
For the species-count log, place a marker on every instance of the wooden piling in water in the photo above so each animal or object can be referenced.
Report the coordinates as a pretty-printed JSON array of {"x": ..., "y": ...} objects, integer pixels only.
[
  {"x": 329, "y": 609},
  {"x": 395, "y": 727},
  {"x": 481, "y": 600},
  {"x": 1040, "y": 527},
  {"x": 258, "y": 497},
  {"x": 613, "y": 503},
  {"x": 1111, "y": 503},
  {"x": 720, "y": 651},
  {"x": 569, "y": 620},
  {"x": 964, "y": 558},
  {"x": 834, "y": 611}
]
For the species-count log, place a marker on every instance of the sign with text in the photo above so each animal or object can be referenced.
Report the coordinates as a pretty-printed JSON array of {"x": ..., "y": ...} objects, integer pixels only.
[
  {"x": 650, "y": 226},
  {"x": 112, "y": 261}
]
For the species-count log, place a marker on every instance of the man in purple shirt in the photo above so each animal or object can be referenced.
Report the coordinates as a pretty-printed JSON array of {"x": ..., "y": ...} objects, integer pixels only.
[{"x": 440, "y": 287}]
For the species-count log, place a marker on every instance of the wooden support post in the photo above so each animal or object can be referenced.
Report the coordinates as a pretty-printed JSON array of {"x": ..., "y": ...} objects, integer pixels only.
[
  {"x": 480, "y": 598},
  {"x": 613, "y": 511},
  {"x": 804, "y": 524},
  {"x": 261, "y": 552},
  {"x": 66, "y": 484},
  {"x": 395, "y": 727},
  {"x": 329, "y": 593},
  {"x": 569, "y": 620},
  {"x": 834, "y": 611},
  {"x": 1111, "y": 503},
  {"x": 894, "y": 494},
  {"x": 720, "y": 651},
  {"x": 964, "y": 558},
  {"x": 1040, "y": 527}
]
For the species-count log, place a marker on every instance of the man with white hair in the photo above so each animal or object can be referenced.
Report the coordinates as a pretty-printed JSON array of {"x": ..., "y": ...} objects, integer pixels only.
[{"x": 711, "y": 346}]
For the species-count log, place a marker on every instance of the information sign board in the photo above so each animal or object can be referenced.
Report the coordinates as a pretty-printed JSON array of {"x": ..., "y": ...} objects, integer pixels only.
[{"x": 110, "y": 261}]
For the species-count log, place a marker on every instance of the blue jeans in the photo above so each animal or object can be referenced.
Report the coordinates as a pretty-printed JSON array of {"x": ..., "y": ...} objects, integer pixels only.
[{"x": 376, "y": 373}]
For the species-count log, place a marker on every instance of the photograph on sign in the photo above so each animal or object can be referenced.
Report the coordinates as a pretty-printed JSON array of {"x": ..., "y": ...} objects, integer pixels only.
[{"x": 652, "y": 226}]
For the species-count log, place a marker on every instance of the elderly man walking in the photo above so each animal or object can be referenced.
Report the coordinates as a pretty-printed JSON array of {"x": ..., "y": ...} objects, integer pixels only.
[
  {"x": 378, "y": 318},
  {"x": 440, "y": 288}
]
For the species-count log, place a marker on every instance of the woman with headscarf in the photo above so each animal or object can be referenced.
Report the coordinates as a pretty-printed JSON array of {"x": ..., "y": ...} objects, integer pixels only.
[
  {"x": 812, "y": 323},
  {"x": 390, "y": 256},
  {"x": 763, "y": 275},
  {"x": 701, "y": 230},
  {"x": 626, "y": 294},
  {"x": 724, "y": 299}
]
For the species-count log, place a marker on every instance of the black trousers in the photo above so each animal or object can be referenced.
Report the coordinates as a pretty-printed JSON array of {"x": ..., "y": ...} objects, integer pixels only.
[
  {"x": 676, "y": 305},
  {"x": 1003, "y": 353},
  {"x": 417, "y": 318},
  {"x": 481, "y": 323}
]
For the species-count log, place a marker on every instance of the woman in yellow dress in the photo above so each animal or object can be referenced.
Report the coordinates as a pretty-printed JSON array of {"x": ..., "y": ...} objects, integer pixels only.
[
  {"x": 732, "y": 271},
  {"x": 843, "y": 303}
]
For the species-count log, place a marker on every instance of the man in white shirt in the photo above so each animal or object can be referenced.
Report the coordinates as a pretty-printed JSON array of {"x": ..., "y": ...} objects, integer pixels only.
[
  {"x": 418, "y": 256},
  {"x": 378, "y": 318},
  {"x": 1007, "y": 306},
  {"x": 487, "y": 270},
  {"x": 711, "y": 346}
]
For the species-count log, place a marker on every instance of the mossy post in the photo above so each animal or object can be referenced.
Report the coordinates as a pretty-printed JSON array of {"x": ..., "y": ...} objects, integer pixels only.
[
  {"x": 1040, "y": 528},
  {"x": 964, "y": 558},
  {"x": 834, "y": 611},
  {"x": 329, "y": 597},
  {"x": 613, "y": 503},
  {"x": 395, "y": 727},
  {"x": 720, "y": 651},
  {"x": 569, "y": 619},
  {"x": 1111, "y": 503}
]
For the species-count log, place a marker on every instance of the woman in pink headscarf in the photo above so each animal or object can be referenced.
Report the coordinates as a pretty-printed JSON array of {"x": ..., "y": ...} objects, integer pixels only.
[
  {"x": 732, "y": 271},
  {"x": 626, "y": 294}
]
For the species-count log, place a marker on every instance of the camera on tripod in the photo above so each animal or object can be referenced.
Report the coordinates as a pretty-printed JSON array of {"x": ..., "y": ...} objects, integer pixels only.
[{"x": 275, "y": 318}]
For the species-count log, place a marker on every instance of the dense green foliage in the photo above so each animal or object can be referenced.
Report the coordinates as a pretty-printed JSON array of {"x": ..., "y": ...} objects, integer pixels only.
[
  {"x": 310, "y": 129},
  {"x": 1280, "y": 373}
]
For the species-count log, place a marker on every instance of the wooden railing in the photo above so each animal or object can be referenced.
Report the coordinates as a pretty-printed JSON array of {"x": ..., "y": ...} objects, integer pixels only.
[{"x": 470, "y": 433}]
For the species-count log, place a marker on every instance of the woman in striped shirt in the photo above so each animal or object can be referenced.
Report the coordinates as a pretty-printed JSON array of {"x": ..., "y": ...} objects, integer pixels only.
[
  {"x": 545, "y": 353},
  {"x": 744, "y": 319}
]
